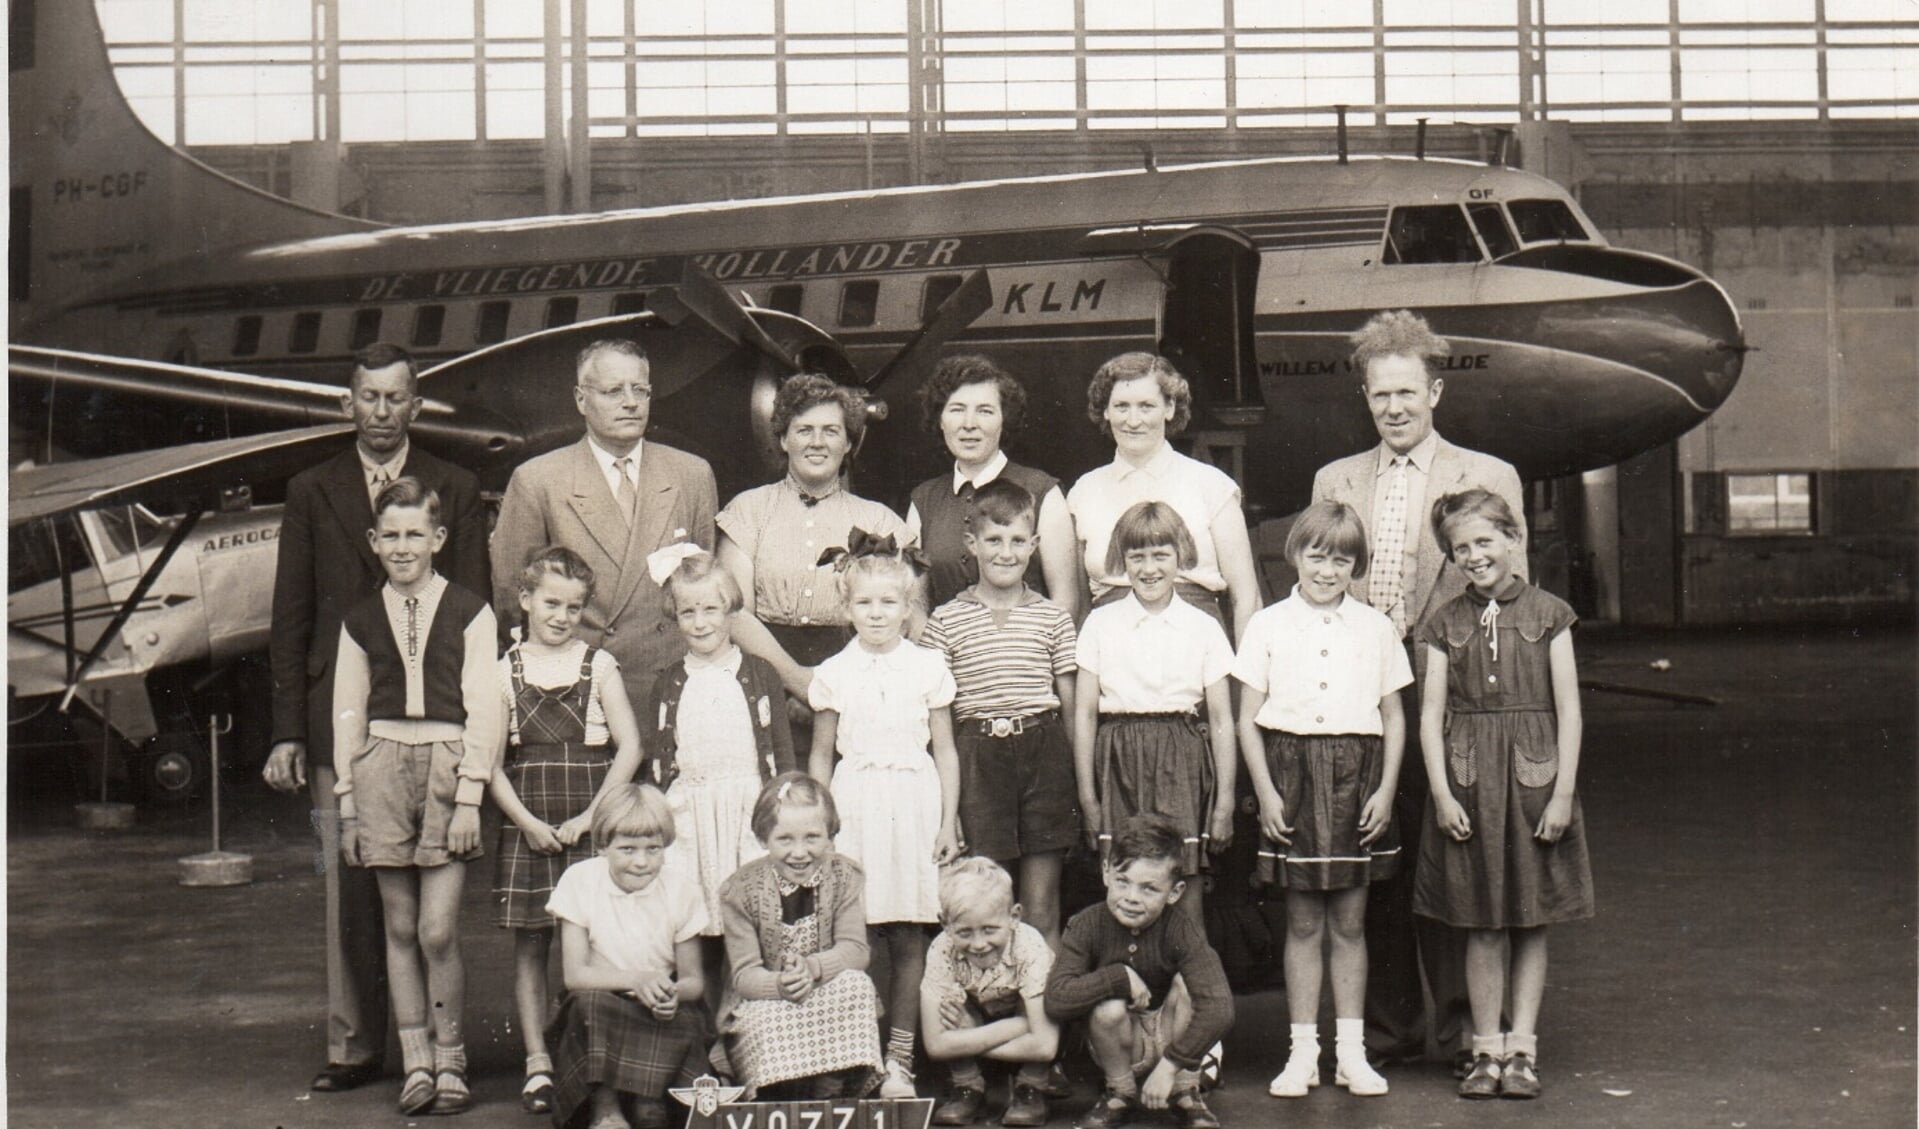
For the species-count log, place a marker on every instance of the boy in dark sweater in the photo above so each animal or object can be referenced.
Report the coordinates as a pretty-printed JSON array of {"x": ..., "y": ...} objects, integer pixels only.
[
  {"x": 1150, "y": 988},
  {"x": 417, "y": 727}
]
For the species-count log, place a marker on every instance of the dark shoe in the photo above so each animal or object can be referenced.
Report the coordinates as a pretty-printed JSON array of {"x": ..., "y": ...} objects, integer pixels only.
[
  {"x": 1026, "y": 1108},
  {"x": 1111, "y": 1111},
  {"x": 1520, "y": 1079},
  {"x": 1058, "y": 1085},
  {"x": 961, "y": 1107},
  {"x": 1482, "y": 1081},
  {"x": 1190, "y": 1112},
  {"x": 1462, "y": 1063},
  {"x": 338, "y": 1077}
]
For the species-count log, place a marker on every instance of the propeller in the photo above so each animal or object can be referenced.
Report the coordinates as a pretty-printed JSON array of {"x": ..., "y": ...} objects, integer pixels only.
[{"x": 961, "y": 308}]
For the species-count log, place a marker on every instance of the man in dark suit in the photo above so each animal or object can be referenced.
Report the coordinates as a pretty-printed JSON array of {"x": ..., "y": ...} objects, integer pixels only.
[
  {"x": 326, "y": 566},
  {"x": 1392, "y": 487},
  {"x": 612, "y": 498}
]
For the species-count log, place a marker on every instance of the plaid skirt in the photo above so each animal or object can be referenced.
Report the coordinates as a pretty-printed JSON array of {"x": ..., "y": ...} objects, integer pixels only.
[
  {"x": 556, "y": 783},
  {"x": 608, "y": 1039},
  {"x": 1157, "y": 763}
]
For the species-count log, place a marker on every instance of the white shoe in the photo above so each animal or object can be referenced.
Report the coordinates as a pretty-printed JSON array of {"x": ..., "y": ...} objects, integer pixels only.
[
  {"x": 898, "y": 1082},
  {"x": 1301, "y": 1074},
  {"x": 1359, "y": 1077}
]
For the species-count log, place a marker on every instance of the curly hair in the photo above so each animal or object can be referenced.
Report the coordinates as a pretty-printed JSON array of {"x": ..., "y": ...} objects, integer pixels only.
[
  {"x": 1133, "y": 366},
  {"x": 808, "y": 390},
  {"x": 1393, "y": 333},
  {"x": 955, "y": 373},
  {"x": 556, "y": 560}
]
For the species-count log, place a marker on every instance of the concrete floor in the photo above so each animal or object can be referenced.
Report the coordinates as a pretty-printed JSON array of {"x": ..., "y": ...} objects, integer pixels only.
[{"x": 1752, "y": 963}]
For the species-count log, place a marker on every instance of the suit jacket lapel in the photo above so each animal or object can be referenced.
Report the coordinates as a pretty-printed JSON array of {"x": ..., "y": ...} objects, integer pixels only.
[
  {"x": 1363, "y": 476},
  {"x": 593, "y": 504},
  {"x": 345, "y": 495},
  {"x": 656, "y": 495},
  {"x": 1442, "y": 480}
]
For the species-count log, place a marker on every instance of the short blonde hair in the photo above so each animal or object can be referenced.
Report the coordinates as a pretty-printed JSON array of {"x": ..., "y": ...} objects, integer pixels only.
[
  {"x": 701, "y": 568},
  {"x": 639, "y": 810},
  {"x": 792, "y": 790},
  {"x": 1329, "y": 525},
  {"x": 878, "y": 565},
  {"x": 974, "y": 884}
]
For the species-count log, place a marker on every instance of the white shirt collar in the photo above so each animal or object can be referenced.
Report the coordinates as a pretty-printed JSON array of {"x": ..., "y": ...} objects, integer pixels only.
[
  {"x": 995, "y": 466},
  {"x": 1156, "y": 466},
  {"x": 393, "y": 467},
  {"x": 608, "y": 459},
  {"x": 728, "y": 661},
  {"x": 1421, "y": 456},
  {"x": 1137, "y": 614},
  {"x": 1300, "y": 607}
]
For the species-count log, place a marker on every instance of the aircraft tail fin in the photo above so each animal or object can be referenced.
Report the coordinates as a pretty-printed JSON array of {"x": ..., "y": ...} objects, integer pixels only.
[{"x": 96, "y": 198}]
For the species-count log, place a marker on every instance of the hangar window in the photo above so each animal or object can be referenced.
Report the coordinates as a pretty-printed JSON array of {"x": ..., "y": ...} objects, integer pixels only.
[
  {"x": 786, "y": 298},
  {"x": 1491, "y": 223},
  {"x": 246, "y": 336},
  {"x": 860, "y": 302},
  {"x": 939, "y": 288},
  {"x": 561, "y": 311},
  {"x": 428, "y": 323},
  {"x": 1542, "y": 220},
  {"x": 631, "y": 302},
  {"x": 366, "y": 328},
  {"x": 1434, "y": 233},
  {"x": 1769, "y": 504},
  {"x": 304, "y": 336},
  {"x": 490, "y": 329}
]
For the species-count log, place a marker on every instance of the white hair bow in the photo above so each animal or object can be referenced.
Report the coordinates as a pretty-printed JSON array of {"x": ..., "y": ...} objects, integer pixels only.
[{"x": 660, "y": 563}]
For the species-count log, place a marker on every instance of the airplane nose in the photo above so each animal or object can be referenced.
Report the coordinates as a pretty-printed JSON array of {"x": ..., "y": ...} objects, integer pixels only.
[{"x": 1669, "y": 320}]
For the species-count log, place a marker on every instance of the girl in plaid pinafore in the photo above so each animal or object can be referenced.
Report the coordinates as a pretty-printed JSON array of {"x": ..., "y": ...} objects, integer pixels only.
[{"x": 566, "y": 705}]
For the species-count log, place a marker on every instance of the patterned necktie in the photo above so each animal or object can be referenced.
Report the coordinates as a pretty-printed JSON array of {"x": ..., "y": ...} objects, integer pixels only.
[
  {"x": 378, "y": 481},
  {"x": 1389, "y": 554},
  {"x": 412, "y": 627},
  {"x": 627, "y": 496}
]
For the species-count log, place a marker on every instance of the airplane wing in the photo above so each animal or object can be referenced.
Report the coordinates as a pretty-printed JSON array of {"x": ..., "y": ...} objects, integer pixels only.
[{"x": 195, "y": 470}]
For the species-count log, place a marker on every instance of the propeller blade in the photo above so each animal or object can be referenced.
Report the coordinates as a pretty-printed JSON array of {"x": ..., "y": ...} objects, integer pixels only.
[
  {"x": 961, "y": 308},
  {"x": 700, "y": 295}
]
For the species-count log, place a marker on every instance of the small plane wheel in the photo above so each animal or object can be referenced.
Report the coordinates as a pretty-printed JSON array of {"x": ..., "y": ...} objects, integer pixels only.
[{"x": 173, "y": 769}]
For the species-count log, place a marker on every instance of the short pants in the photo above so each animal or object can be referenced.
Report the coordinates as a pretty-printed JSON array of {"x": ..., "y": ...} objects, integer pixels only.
[
  {"x": 403, "y": 799},
  {"x": 1017, "y": 793}
]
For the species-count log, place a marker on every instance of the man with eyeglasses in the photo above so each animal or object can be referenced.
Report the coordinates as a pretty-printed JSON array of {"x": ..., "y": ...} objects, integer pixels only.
[
  {"x": 326, "y": 566},
  {"x": 612, "y": 498}
]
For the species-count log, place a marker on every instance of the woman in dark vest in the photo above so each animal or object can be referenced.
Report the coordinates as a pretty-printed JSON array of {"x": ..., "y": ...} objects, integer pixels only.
[{"x": 972, "y": 403}]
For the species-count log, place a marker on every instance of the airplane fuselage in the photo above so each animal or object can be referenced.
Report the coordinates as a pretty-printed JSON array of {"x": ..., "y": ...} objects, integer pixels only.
[{"x": 1567, "y": 354}]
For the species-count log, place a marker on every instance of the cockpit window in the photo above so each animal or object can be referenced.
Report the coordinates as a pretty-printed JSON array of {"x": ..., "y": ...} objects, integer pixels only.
[
  {"x": 1542, "y": 221},
  {"x": 1430, "y": 234},
  {"x": 33, "y": 558},
  {"x": 1491, "y": 223},
  {"x": 128, "y": 528}
]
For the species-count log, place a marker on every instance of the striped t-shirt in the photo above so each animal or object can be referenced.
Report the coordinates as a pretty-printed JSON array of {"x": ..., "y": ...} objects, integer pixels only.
[{"x": 1003, "y": 669}]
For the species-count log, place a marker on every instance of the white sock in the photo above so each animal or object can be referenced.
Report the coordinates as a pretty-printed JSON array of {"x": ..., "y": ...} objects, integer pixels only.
[
  {"x": 1349, "y": 1033},
  {"x": 1306, "y": 1040},
  {"x": 1517, "y": 1044},
  {"x": 1494, "y": 1045}
]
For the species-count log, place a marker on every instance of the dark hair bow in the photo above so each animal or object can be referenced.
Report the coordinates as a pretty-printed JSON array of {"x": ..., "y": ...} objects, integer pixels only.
[{"x": 860, "y": 543}]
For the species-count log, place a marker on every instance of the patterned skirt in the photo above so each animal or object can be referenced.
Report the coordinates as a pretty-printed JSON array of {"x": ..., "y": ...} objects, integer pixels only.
[
  {"x": 1156, "y": 763},
  {"x": 556, "y": 783},
  {"x": 608, "y": 1039},
  {"x": 836, "y": 1028},
  {"x": 1324, "y": 781}
]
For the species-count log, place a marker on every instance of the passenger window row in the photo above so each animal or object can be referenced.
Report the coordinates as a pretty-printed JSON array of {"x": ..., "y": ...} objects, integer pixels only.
[{"x": 859, "y": 300}]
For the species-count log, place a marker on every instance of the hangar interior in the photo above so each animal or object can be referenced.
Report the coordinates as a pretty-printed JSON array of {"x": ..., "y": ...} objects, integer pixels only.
[{"x": 1772, "y": 143}]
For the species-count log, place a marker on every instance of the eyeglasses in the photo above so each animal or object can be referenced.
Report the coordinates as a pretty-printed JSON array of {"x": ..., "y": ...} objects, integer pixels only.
[{"x": 619, "y": 392}]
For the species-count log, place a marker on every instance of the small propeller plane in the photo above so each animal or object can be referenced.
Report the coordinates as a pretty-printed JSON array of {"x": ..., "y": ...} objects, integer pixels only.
[{"x": 157, "y": 302}]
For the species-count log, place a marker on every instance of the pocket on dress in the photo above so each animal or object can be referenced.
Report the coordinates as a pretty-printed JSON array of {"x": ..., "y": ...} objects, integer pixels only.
[
  {"x": 1464, "y": 761},
  {"x": 1535, "y": 764}
]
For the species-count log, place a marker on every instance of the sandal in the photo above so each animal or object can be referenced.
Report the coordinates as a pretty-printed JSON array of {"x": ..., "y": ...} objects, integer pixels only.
[
  {"x": 418, "y": 1092},
  {"x": 537, "y": 1095},
  {"x": 451, "y": 1094}
]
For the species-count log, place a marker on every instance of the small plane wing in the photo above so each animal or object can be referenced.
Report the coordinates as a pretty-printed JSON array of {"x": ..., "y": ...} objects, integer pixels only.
[
  {"x": 166, "y": 473},
  {"x": 293, "y": 400}
]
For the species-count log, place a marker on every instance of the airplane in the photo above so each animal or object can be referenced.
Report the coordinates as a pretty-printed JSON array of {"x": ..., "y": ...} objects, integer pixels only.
[{"x": 155, "y": 301}]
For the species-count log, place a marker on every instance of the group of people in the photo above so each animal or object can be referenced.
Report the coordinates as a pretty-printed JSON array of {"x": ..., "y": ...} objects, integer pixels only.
[{"x": 747, "y": 757}]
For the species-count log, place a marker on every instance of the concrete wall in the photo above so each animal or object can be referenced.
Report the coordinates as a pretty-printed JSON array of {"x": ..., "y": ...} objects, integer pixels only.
[{"x": 1813, "y": 229}]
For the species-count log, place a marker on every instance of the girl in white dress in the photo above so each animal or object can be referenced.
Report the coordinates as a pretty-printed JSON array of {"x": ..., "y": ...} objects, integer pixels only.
[{"x": 880, "y": 703}]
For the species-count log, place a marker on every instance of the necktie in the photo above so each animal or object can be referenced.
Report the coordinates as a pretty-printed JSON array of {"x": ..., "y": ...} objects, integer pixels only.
[
  {"x": 1389, "y": 555},
  {"x": 412, "y": 627},
  {"x": 379, "y": 481},
  {"x": 627, "y": 495}
]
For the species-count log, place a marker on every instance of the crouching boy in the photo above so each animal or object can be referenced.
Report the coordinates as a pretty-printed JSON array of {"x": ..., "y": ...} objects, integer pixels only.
[
  {"x": 1150, "y": 988},
  {"x": 983, "y": 995}
]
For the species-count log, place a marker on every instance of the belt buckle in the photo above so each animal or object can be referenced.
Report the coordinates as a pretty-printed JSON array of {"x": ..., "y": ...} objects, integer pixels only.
[{"x": 1003, "y": 727}]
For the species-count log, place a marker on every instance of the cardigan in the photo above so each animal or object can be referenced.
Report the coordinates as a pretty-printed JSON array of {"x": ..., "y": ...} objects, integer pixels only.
[
  {"x": 1088, "y": 972},
  {"x": 765, "y": 703},
  {"x": 750, "y": 909}
]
